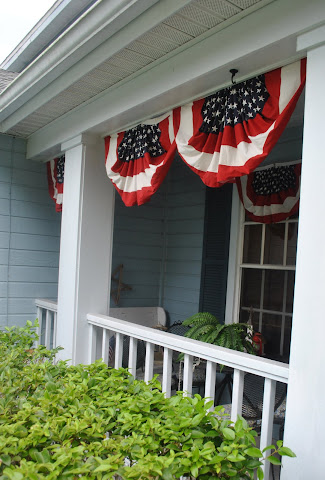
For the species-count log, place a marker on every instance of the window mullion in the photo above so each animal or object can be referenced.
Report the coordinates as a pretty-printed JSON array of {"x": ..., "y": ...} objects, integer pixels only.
[{"x": 284, "y": 307}]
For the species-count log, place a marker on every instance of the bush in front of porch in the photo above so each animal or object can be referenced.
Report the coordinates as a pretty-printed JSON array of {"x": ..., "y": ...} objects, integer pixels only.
[{"x": 89, "y": 421}]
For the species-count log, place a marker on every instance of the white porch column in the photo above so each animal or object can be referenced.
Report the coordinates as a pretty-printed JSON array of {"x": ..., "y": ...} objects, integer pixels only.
[
  {"x": 305, "y": 418},
  {"x": 86, "y": 244}
]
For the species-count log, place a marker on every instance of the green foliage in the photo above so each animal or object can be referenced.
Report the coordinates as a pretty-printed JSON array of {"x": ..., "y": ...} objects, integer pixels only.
[
  {"x": 207, "y": 328},
  {"x": 88, "y": 421}
]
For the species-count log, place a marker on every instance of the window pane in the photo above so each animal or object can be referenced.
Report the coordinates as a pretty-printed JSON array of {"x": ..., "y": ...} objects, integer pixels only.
[
  {"x": 271, "y": 332},
  {"x": 252, "y": 244},
  {"x": 290, "y": 289},
  {"x": 251, "y": 288},
  {"x": 287, "y": 339},
  {"x": 273, "y": 290},
  {"x": 274, "y": 244},
  {"x": 292, "y": 243}
]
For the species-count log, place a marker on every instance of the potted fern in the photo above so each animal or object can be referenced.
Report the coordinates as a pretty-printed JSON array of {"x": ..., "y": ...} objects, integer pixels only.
[{"x": 206, "y": 327}]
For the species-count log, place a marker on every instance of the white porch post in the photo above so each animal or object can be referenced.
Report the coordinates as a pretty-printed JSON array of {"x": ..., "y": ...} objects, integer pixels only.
[
  {"x": 305, "y": 417},
  {"x": 86, "y": 244}
]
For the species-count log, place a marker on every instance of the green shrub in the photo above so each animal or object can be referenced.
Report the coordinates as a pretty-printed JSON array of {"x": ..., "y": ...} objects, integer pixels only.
[{"x": 89, "y": 421}]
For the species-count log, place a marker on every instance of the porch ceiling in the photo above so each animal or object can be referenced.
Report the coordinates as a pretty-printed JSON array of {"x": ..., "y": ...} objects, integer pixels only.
[{"x": 192, "y": 22}]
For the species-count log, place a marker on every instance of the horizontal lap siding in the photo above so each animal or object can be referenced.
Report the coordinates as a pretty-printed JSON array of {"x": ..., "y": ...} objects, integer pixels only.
[
  {"x": 138, "y": 246},
  {"x": 184, "y": 242},
  {"x": 29, "y": 235}
]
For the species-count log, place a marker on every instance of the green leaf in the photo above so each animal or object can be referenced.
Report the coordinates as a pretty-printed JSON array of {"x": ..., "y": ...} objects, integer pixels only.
[
  {"x": 269, "y": 447},
  {"x": 285, "y": 451},
  {"x": 274, "y": 460},
  {"x": 228, "y": 433},
  {"x": 253, "y": 452},
  {"x": 6, "y": 459},
  {"x": 260, "y": 474}
]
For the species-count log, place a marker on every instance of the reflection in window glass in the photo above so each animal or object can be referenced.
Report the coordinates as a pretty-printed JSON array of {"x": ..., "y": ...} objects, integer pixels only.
[
  {"x": 274, "y": 244},
  {"x": 251, "y": 288},
  {"x": 292, "y": 243},
  {"x": 273, "y": 290},
  {"x": 271, "y": 332},
  {"x": 252, "y": 244},
  {"x": 290, "y": 290}
]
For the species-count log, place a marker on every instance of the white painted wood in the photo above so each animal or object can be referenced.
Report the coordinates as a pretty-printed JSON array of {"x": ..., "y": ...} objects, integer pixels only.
[
  {"x": 174, "y": 82},
  {"x": 118, "y": 350},
  {"x": 233, "y": 271},
  {"x": 83, "y": 36},
  {"x": 55, "y": 315},
  {"x": 86, "y": 242},
  {"x": 167, "y": 371},
  {"x": 92, "y": 344},
  {"x": 267, "y": 420},
  {"x": 305, "y": 420},
  {"x": 147, "y": 316},
  {"x": 210, "y": 382},
  {"x": 148, "y": 368},
  {"x": 133, "y": 348},
  {"x": 188, "y": 374},
  {"x": 231, "y": 358},
  {"x": 237, "y": 394},
  {"x": 39, "y": 328},
  {"x": 48, "y": 318},
  {"x": 105, "y": 346}
]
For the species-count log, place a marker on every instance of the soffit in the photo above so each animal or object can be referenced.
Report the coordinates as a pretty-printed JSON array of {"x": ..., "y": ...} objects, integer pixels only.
[{"x": 191, "y": 22}]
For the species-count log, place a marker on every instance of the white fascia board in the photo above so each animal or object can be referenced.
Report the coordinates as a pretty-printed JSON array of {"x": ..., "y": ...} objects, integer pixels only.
[
  {"x": 312, "y": 39},
  {"x": 96, "y": 25},
  {"x": 255, "y": 44},
  {"x": 47, "y": 28},
  {"x": 148, "y": 20}
]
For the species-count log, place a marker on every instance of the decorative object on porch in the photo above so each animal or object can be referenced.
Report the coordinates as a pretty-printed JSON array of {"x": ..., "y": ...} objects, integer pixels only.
[
  {"x": 220, "y": 137},
  {"x": 207, "y": 328},
  {"x": 229, "y": 133},
  {"x": 117, "y": 276},
  {"x": 271, "y": 195},
  {"x": 55, "y": 179},
  {"x": 138, "y": 159}
]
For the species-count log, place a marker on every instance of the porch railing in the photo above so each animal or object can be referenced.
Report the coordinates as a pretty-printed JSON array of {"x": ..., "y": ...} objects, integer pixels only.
[
  {"x": 47, "y": 319},
  {"x": 102, "y": 327}
]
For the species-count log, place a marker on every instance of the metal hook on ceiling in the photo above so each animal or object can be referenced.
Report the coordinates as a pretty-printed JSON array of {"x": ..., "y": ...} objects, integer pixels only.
[{"x": 233, "y": 72}]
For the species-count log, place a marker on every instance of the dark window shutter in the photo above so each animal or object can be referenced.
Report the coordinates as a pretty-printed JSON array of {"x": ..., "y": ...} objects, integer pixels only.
[{"x": 216, "y": 250}]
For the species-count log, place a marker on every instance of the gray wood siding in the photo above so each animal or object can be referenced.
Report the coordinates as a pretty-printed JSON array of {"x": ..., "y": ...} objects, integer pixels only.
[
  {"x": 185, "y": 202},
  {"x": 138, "y": 245},
  {"x": 29, "y": 235}
]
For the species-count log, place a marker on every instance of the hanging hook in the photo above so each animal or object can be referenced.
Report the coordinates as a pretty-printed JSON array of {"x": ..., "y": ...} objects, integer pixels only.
[{"x": 233, "y": 72}]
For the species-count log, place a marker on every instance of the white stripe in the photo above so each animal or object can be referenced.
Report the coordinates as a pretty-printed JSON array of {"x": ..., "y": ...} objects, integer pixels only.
[
  {"x": 290, "y": 82},
  {"x": 263, "y": 211},
  {"x": 55, "y": 190},
  {"x": 229, "y": 156},
  {"x": 128, "y": 184}
]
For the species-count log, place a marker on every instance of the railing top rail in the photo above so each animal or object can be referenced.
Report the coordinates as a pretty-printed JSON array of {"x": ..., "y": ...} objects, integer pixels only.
[
  {"x": 231, "y": 358},
  {"x": 48, "y": 304}
]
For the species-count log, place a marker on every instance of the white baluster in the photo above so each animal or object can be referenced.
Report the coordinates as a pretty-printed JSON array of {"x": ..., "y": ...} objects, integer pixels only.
[
  {"x": 188, "y": 374},
  {"x": 54, "y": 328},
  {"x": 47, "y": 339},
  {"x": 133, "y": 348},
  {"x": 39, "y": 328},
  {"x": 210, "y": 382},
  {"x": 148, "y": 369},
  {"x": 105, "y": 346},
  {"x": 267, "y": 420},
  {"x": 92, "y": 344},
  {"x": 167, "y": 371},
  {"x": 237, "y": 394},
  {"x": 118, "y": 350}
]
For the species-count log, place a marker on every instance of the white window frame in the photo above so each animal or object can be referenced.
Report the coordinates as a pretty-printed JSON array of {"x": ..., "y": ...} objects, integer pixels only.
[{"x": 235, "y": 266}]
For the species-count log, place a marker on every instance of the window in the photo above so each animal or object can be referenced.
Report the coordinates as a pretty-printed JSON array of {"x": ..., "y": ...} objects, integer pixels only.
[{"x": 267, "y": 275}]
